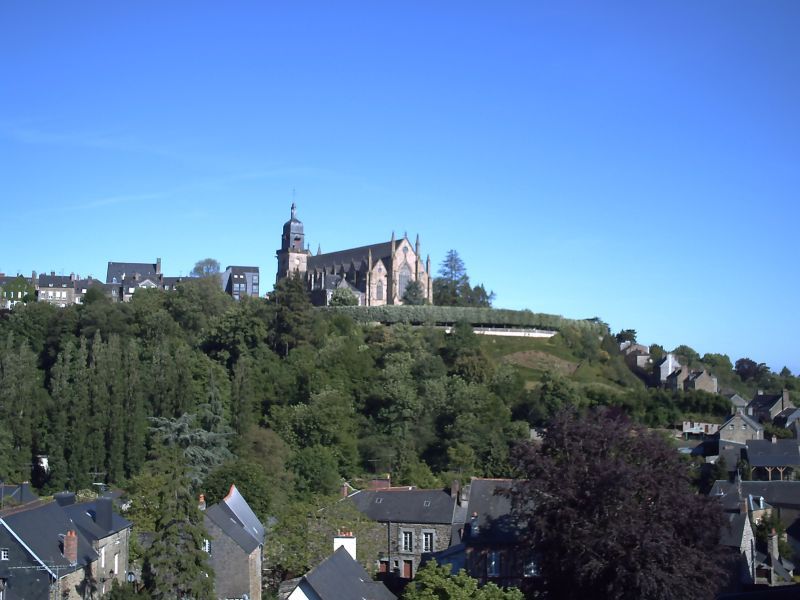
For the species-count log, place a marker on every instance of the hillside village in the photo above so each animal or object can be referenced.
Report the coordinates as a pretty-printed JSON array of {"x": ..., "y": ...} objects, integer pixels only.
[{"x": 296, "y": 445}]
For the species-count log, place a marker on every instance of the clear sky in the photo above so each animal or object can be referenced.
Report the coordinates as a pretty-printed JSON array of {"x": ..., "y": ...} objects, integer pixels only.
[{"x": 636, "y": 161}]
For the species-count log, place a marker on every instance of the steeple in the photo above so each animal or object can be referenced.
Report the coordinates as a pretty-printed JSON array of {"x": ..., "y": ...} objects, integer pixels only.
[
  {"x": 319, "y": 249},
  {"x": 294, "y": 211}
]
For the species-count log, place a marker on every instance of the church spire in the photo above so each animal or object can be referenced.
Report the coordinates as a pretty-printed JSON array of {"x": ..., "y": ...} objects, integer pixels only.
[
  {"x": 319, "y": 249},
  {"x": 294, "y": 210}
]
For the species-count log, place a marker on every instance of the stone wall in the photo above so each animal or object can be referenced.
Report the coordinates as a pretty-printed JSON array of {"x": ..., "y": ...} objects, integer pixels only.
[{"x": 235, "y": 572}]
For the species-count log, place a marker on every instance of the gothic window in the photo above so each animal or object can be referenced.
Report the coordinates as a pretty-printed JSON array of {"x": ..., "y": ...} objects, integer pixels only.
[
  {"x": 403, "y": 279},
  {"x": 379, "y": 291}
]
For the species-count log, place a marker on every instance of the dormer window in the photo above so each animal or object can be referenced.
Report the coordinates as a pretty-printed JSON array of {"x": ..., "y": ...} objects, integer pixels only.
[
  {"x": 427, "y": 503},
  {"x": 378, "y": 500}
]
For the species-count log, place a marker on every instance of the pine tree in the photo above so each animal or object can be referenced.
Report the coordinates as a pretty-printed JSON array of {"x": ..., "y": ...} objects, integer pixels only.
[
  {"x": 133, "y": 407},
  {"x": 176, "y": 566}
]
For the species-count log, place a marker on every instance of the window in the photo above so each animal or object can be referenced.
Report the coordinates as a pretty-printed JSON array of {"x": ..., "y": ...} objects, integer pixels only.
[
  {"x": 531, "y": 569},
  {"x": 427, "y": 541},
  {"x": 379, "y": 291},
  {"x": 116, "y": 563},
  {"x": 207, "y": 546},
  {"x": 103, "y": 557},
  {"x": 3, "y": 553},
  {"x": 408, "y": 541},
  {"x": 493, "y": 564},
  {"x": 403, "y": 279}
]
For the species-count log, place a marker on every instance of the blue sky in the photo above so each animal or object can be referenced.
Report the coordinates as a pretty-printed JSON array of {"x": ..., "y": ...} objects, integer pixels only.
[{"x": 634, "y": 161}]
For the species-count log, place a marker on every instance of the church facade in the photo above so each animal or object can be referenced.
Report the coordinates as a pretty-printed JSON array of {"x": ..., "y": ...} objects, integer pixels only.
[{"x": 377, "y": 274}]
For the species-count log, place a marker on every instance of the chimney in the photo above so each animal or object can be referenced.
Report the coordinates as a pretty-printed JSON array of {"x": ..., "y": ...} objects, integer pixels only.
[
  {"x": 455, "y": 488},
  {"x": 346, "y": 539},
  {"x": 103, "y": 513},
  {"x": 65, "y": 498},
  {"x": 201, "y": 504},
  {"x": 71, "y": 547},
  {"x": 773, "y": 545},
  {"x": 774, "y": 440},
  {"x": 158, "y": 266},
  {"x": 52, "y": 273},
  {"x": 785, "y": 401},
  {"x": 345, "y": 490}
]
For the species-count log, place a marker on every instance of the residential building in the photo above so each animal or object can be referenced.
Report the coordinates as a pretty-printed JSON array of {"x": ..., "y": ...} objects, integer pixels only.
[
  {"x": 740, "y": 429},
  {"x": 412, "y": 522},
  {"x": 737, "y": 402},
  {"x": 58, "y": 290},
  {"x": 765, "y": 407},
  {"x": 700, "y": 428},
  {"x": 15, "y": 290},
  {"x": 665, "y": 367},
  {"x": 701, "y": 380},
  {"x": 62, "y": 549},
  {"x": 235, "y": 546},
  {"x": 240, "y": 281},
  {"x": 377, "y": 274},
  {"x": 338, "y": 577}
]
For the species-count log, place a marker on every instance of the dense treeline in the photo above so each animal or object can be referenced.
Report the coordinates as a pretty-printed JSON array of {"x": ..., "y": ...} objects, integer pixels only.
[{"x": 284, "y": 399}]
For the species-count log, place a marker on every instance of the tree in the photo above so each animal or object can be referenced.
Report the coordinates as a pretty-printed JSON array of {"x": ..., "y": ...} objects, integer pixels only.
[
  {"x": 434, "y": 582},
  {"x": 414, "y": 295},
  {"x": 750, "y": 370},
  {"x": 598, "y": 500},
  {"x": 343, "y": 297},
  {"x": 175, "y": 565},
  {"x": 452, "y": 287},
  {"x": 626, "y": 335},
  {"x": 205, "y": 268}
]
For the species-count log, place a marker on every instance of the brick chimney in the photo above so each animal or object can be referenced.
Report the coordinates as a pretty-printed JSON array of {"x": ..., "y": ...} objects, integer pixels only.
[
  {"x": 455, "y": 488},
  {"x": 345, "y": 490},
  {"x": 158, "y": 266},
  {"x": 201, "y": 504},
  {"x": 71, "y": 547},
  {"x": 773, "y": 545}
]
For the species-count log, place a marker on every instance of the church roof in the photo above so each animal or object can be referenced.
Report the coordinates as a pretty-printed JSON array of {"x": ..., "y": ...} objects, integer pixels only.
[{"x": 356, "y": 256}]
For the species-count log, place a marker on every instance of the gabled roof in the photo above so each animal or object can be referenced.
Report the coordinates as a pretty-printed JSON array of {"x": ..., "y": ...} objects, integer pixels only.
[
  {"x": 405, "y": 505},
  {"x": 733, "y": 529},
  {"x": 764, "y": 401},
  {"x": 750, "y": 422},
  {"x": 339, "y": 577},
  {"x": 55, "y": 281},
  {"x": 41, "y": 530},
  {"x": 84, "y": 517},
  {"x": 235, "y": 517},
  {"x": 768, "y": 453},
  {"x": 777, "y": 493}
]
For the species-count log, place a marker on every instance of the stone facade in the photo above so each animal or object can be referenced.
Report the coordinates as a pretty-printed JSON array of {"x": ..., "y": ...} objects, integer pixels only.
[
  {"x": 740, "y": 429},
  {"x": 235, "y": 572},
  {"x": 377, "y": 274},
  {"x": 397, "y": 556}
]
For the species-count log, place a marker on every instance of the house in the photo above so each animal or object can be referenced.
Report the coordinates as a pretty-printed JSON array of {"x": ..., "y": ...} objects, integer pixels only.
[
  {"x": 62, "y": 549},
  {"x": 765, "y": 407},
  {"x": 58, "y": 290},
  {"x": 235, "y": 546},
  {"x": 14, "y": 290},
  {"x": 412, "y": 522},
  {"x": 127, "y": 277},
  {"x": 770, "y": 458},
  {"x": 378, "y": 272},
  {"x": 788, "y": 419},
  {"x": 239, "y": 282},
  {"x": 338, "y": 577},
  {"x": 636, "y": 356},
  {"x": 740, "y": 429},
  {"x": 738, "y": 542},
  {"x": 737, "y": 402},
  {"x": 82, "y": 286},
  {"x": 665, "y": 367},
  {"x": 701, "y": 380},
  {"x": 700, "y": 428},
  {"x": 676, "y": 380},
  {"x": 488, "y": 547}
]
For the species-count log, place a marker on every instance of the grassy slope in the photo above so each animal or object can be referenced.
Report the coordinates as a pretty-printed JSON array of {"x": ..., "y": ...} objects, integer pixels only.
[{"x": 531, "y": 357}]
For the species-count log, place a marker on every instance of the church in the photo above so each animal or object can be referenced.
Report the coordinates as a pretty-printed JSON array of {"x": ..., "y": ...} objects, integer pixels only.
[{"x": 376, "y": 275}]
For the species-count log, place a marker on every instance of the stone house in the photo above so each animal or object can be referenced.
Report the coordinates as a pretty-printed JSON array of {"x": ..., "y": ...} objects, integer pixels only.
[
  {"x": 15, "y": 290},
  {"x": 235, "y": 546},
  {"x": 740, "y": 429},
  {"x": 737, "y": 402},
  {"x": 765, "y": 407},
  {"x": 379, "y": 273},
  {"x": 58, "y": 290},
  {"x": 701, "y": 380},
  {"x": 411, "y": 522},
  {"x": 62, "y": 549},
  {"x": 665, "y": 367}
]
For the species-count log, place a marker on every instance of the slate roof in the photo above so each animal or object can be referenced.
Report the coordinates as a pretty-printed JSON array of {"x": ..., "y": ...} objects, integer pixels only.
[
  {"x": 236, "y": 270},
  {"x": 17, "y": 494},
  {"x": 493, "y": 507},
  {"x": 764, "y": 401},
  {"x": 118, "y": 269},
  {"x": 776, "y": 493},
  {"x": 42, "y": 529},
  {"x": 732, "y": 529},
  {"x": 766, "y": 453},
  {"x": 55, "y": 281},
  {"x": 235, "y": 517},
  {"x": 83, "y": 515},
  {"x": 405, "y": 505},
  {"x": 339, "y": 577},
  {"x": 749, "y": 420},
  {"x": 355, "y": 256}
]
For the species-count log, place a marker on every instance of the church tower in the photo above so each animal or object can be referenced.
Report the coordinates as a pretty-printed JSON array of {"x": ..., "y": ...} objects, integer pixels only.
[{"x": 292, "y": 255}]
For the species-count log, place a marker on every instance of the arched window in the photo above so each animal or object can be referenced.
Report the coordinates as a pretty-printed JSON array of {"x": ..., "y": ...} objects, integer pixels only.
[
  {"x": 403, "y": 279},
  {"x": 379, "y": 290}
]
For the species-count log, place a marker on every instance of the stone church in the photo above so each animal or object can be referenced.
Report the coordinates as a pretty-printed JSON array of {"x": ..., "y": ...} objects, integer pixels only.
[{"x": 377, "y": 274}]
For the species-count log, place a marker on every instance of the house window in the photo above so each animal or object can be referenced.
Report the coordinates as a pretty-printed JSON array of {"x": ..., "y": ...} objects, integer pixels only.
[
  {"x": 207, "y": 546},
  {"x": 531, "y": 569},
  {"x": 3, "y": 553},
  {"x": 408, "y": 541},
  {"x": 493, "y": 564},
  {"x": 116, "y": 563},
  {"x": 427, "y": 541},
  {"x": 103, "y": 557}
]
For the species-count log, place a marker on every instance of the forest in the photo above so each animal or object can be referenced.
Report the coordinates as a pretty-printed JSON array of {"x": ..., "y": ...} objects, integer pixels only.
[{"x": 192, "y": 388}]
